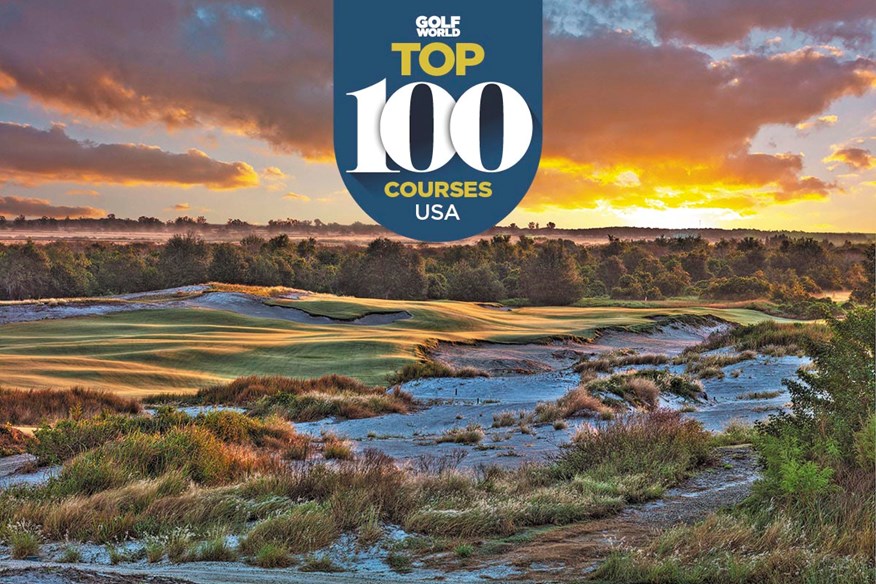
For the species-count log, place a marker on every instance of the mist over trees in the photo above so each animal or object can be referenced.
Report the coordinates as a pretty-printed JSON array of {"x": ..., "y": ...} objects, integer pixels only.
[{"x": 789, "y": 272}]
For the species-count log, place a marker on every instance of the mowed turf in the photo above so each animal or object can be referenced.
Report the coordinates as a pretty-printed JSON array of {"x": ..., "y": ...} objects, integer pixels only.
[{"x": 146, "y": 352}]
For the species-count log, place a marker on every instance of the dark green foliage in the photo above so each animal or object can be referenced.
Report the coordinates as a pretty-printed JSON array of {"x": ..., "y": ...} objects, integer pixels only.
[
  {"x": 789, "y": 273},
  {"x": 551, "y": 276},
  {"x": 184, "y": 260},
  {"x": 833, "y": 401}
]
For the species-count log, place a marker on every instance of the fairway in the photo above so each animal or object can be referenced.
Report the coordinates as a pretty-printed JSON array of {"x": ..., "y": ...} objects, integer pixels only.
[{"x": 179, "y": 349}]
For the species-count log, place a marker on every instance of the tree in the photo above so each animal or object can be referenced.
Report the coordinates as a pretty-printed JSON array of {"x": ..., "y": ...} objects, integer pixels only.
[
  {"x": 830, "y": 426},
  {"x": 865, "y": 291},
  {"x": 387, "y": 269},
  {"x": 25, "y": 272},
  {"x": 228, "y": 264},
  {"x": 551, "y": 276},
  {"x": 474, "y": 284},
  {"x": 184, "y": 260}
]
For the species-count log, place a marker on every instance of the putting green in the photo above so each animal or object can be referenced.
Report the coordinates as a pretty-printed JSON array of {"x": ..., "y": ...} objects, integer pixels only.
[{"x": 150, "y": 351}]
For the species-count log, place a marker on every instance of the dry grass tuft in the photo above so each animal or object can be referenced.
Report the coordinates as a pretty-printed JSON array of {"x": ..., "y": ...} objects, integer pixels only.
[{"x": 37, "y": 406}]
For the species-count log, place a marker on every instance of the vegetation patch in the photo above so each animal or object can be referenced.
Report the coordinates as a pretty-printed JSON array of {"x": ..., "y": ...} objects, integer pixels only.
[
  {"x": 334, "y": 309},
  {"x": 771, "y": 338},
  {"x": 471, "y": 434},
  {"x": 760, "y": 395},
  {"x": 37, "y": 406},
  {"x": 426, "y": 368},
  {"x": 616, "y": 359},
  {"x": 13, "y": 441},
  {"x": 301, "y": 400}
]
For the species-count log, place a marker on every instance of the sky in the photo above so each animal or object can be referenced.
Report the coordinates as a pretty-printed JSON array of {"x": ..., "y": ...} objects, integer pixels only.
[{"x": 657, "y": 113}]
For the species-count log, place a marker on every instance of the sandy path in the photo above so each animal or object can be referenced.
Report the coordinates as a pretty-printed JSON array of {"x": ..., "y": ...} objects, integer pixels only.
[{"x": 569, "y": 553}]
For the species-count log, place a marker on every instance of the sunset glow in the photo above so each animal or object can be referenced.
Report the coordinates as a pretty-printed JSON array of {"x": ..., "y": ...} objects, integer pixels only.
[{"x": 658, "y": 113}]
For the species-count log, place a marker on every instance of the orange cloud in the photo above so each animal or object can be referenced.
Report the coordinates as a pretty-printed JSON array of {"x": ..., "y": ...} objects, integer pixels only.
[
  {"x": 32, "y": 156},
  {"x": 274, "y": 173},
  {"x": 83, "y": 193},
  {"x": 278, "y": 58},
  {"x": 296, "y": 197},
  {"x": 29, "y": 207},
  {"x": 620, "y": 130},
  {"x": 182, "y": 207},
  {"x": 856, "y": 158}
]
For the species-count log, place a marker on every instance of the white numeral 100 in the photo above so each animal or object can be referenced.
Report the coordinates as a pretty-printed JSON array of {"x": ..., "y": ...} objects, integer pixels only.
[{"x": 384, "y": 127}]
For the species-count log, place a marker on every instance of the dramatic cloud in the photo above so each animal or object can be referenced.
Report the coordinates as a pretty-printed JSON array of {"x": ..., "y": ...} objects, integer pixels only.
[
  {"x": 857, "y": 158},
  {"x": 679, "y": 122},
  {"x": 717, "y": 22},
  {"x": 614, "y": 97},
  {"x": 13, "y": 206},
  {"x": 263, "y": 68},
  {"x": 627, "y": 123},
  {"x": 30, "y": 155}
]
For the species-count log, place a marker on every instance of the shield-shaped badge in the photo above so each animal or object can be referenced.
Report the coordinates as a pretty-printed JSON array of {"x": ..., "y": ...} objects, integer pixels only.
[{"x": 438, "y": 110}]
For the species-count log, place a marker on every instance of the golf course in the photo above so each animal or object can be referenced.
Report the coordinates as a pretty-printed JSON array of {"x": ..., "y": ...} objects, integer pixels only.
[{"x": 181, "y": 345}]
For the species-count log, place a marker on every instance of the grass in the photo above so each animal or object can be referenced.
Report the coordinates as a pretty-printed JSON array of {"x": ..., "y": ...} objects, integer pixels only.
[
  {"x": 71, "y": 555},
  {"x": 182, "y": 488},
  {"x": 335, "y": 448},
  {"x": 337, "y": 309},
  {"x": 399, "y": 562},
  {"x": 712, "y": 366},
  {"x": 38, "y": 406},
  {"x": 760, "y": 395},
  {"x": 68, "y": 438},
  {"x": 272, "y": 555},
  {"x": 734, "y": 433},
  {"x": 304, "y": 528},
  {"x": 13, "y": 441},
  {"x": 173, "y": 350},
  {"x": 319, "y": 564},
  {"x": 612, "y": 361},
  {"x": 639, "y": 389},
  {"x": 300, "y": 400},
  {"x": 23, "y": 539},
  {"x": 471, "y": 434},
  {"x": 727, "y": 549},
  {"x": 772, "y": 338}
]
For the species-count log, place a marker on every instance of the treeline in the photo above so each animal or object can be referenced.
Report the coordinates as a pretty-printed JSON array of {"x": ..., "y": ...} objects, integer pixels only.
[
  {"x": 787, "y": 271},
  {"x": 194, "y": 224}
]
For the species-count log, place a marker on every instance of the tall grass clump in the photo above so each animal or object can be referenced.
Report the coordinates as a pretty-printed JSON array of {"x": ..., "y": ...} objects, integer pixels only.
[
  {"x": 431, "y": 368},
  {"x": 194, "y": 452},
  {"x": 660, "y": 445},
  {"x": 38, "y": 406},
  {"x": 303, "y": 400}
]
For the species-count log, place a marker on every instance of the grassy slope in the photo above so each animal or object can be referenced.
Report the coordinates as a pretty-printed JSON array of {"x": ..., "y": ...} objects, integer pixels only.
[{"x": 149, "y": 351}]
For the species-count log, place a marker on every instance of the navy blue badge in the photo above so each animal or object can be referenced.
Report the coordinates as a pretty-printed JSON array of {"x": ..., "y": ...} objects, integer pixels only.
[{"x": 438, "y": 111}]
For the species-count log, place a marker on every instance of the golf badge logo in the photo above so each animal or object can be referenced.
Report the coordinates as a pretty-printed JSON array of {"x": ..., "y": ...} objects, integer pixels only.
[{"x": 438, "y": 111}]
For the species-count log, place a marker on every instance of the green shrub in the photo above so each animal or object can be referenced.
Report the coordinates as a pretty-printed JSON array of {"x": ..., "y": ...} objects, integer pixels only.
[
  {"x": 306, "y": 528},
  {"x": 271, "y": 555},
  {"x": 23, "y": 539}
]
